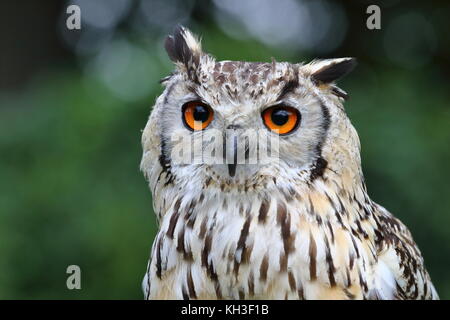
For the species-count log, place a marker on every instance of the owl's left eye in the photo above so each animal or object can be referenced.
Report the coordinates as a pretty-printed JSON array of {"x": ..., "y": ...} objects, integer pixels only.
[
  {"x": 197, "y": 115},
  {"x": 281, "y": 119}
]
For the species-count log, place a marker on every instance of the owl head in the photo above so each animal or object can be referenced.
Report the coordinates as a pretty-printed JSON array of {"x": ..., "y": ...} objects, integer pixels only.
[{"x": 241, "y": 124}]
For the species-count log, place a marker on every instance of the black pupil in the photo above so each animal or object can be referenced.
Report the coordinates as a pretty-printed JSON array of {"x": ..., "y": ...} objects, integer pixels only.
[
  {"x": 201, "y": 113},
  {"x": 280, "y": 117}
]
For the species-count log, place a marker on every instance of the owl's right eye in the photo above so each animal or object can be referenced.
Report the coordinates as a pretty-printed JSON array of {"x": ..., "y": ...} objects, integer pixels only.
[{"x": 197, "y": 115}]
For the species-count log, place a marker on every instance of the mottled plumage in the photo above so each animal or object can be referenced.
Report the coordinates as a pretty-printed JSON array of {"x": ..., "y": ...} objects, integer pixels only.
[{"x": 303, "y": 227}]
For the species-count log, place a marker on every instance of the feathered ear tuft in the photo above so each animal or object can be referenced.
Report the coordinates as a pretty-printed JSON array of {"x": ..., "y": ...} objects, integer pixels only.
[
  {"x": 330, "y": 70},
  {"x": 183, "y": 47},
  {"x": 324, "y": 72}
]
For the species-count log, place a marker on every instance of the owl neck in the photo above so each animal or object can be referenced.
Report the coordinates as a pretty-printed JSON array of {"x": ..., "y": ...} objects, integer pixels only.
[{"x": 321, "y": 194}]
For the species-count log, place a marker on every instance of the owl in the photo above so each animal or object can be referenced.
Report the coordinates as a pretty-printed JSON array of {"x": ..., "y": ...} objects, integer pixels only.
[{"x": 292, "y": 222}]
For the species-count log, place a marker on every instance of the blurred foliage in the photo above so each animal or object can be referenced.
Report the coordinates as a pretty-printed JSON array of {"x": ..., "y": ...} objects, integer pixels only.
[{"x": 71, "y": 191}]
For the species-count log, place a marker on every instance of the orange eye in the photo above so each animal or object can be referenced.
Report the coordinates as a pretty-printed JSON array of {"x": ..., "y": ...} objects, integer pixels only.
[
  {"x": 281, "y": 119},
  {"x": 197, "y": 115}
]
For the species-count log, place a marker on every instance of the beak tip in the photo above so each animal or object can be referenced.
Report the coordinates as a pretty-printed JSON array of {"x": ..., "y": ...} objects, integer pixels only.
[{"x": 232, "y": 169}]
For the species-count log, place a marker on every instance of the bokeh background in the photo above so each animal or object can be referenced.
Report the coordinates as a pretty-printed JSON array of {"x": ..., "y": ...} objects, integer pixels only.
[{"x": 73, "y": 104}]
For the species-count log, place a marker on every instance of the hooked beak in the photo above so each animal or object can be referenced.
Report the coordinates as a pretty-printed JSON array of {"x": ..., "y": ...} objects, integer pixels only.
[
  {"x": 231, "y": 148},
  {"x": 232, "y": 165}
]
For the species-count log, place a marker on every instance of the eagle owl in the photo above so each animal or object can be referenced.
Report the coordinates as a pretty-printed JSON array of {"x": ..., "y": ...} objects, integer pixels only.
[{"x": 299, "y": 226}]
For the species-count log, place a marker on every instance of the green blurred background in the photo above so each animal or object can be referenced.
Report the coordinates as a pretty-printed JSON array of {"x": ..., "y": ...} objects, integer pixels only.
[{"x": 73, "y": 104}]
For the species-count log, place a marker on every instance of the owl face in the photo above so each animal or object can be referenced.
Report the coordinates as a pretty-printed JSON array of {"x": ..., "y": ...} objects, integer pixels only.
[{"x": 242, "y": 122}]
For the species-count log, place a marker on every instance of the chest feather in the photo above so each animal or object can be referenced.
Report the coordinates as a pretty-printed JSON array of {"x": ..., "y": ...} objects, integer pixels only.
[{"x": 277, "y": 247}]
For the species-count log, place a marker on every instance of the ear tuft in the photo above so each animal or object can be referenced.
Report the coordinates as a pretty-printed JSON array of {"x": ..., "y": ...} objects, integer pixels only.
[
  {"x": 326, "y": 71},
  {"x": 183, "y": 47}
]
